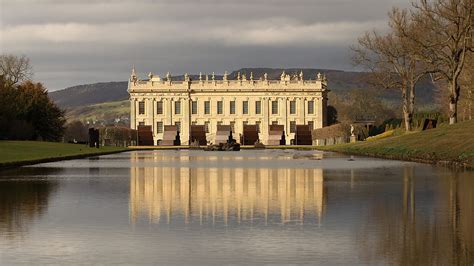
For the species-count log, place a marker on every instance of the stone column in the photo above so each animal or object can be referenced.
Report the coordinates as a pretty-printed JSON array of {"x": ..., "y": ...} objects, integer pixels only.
[
  {"x": 149, "y": 112},
  {"x": 169, "y": 111},
  {"x": 185, "y": 125},
  {"x": 133, "y": 113},
  {"x": 266, "y": 120}
]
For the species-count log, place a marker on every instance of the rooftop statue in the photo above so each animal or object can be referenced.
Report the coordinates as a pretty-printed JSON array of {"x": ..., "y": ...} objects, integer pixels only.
[
  {"x": 301, "y": 75},
  {"x": 168, "y": 76},
  {"x": 318, "y": 76},
  {"x": 251, "y": 76},
  {"x": 150, "y": 76},
  {"x": 225, "y": 76},
  {"x": 238, "y": 76},
  {"x": 133, "y": 76},
  {"x": 186, "y": 77},
  {"x": 213, "y": 76},
  {"x": 265, "y": 76},
  {"x": 200, "y": 76},
  {"x": 283, "y": 76}
]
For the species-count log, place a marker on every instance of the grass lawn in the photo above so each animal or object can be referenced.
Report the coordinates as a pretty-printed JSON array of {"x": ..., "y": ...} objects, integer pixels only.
[
  {"x": 448, "y": 143},
  {"x": 19, "y": 152}
]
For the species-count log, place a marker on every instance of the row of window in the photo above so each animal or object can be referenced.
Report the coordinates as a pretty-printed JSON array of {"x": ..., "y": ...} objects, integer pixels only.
[
  {"x": 220, "y": 107},
  {"x": 160, "y": 125}
]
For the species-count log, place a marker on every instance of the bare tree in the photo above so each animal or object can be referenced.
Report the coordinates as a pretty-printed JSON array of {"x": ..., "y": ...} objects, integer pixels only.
[
  {"x": 391, "y": 60},
  {"x": 446, "y": 40},
  {"x": 15, "y": 69}
]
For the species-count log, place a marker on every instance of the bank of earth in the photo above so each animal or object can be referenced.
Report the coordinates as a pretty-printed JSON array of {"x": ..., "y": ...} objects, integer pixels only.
[
  {"x": 446, "y": 145},
  {"x": 20, "y": 153}
]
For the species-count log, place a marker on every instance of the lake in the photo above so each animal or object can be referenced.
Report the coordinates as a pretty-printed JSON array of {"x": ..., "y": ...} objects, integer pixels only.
[{"x": 247, "y": 207}]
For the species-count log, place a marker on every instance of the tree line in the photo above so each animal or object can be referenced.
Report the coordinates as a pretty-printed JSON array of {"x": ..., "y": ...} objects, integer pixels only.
[
  {"x": 431, "y": 40},
  {"x": 26, "y": 111}
]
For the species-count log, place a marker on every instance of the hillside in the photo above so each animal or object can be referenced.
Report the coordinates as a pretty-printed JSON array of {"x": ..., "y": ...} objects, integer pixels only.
[
  {"x": 90, "y": 94},
  {"x": 107, "y": 113},
  {"x": 339, "y": 82}
]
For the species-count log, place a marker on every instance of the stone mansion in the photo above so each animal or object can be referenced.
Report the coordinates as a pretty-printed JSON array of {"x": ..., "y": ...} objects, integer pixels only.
[{"x": 289, "y": 101}]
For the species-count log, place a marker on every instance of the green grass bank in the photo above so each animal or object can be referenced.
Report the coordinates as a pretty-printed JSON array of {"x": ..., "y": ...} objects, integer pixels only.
[
  {"x": 19, "y": 153},
  {"x": 447, "y": 145}
]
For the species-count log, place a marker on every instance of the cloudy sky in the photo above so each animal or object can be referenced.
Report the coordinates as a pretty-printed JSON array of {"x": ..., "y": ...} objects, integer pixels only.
[{"x": 73, "y": 42}]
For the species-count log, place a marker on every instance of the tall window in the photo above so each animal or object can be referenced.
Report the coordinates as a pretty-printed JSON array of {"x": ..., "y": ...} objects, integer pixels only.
[
  {"x": 159, "y": 108},
  {"x": 292, "y": 126},
  {"x": 292, "y": 107},
  {"x": 258, "y": 123},
  {"x": 206, "y": 126},
  {"x": 177, "y": 107},
  {"x": 232, "y": 107},
  {"x": 207, "y": 107},
  {"x": 219, "y": 107},
  {"x": 194, "y": 107},
  {"x": 232, "y": 126},
  {"x": 178, "y": 126},
  {"x": 141, "y": 108},
  {"x": 159, "y": 127},
  {"x": 245, "y": 107},
  {"x": 258, "y": 107},
  {"x": 310, "y": 107},
  {"x": 311, "y": 125},
  {"x": 274, "y": 107}
]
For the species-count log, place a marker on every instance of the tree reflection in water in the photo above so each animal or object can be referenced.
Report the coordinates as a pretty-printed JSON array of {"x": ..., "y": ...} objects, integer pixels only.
[
  {"x": 438, "y": 231},
  {"x": 22, "y": 201}
]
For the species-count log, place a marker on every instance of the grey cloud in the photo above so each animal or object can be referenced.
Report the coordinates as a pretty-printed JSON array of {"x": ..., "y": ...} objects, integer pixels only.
[{"x": 73, "y": 42}]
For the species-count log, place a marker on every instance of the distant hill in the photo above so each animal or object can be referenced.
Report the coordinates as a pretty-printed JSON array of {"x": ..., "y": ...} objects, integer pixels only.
[
  {"x": 91, "y": 101},
  {"x": 339, "y": 82},
  {"x": 90, "y": 94}
]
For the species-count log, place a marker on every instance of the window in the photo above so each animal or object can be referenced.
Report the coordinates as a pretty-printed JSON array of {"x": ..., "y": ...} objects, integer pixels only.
[
  {"x": 178, "y": 126},
  {"x": 258, "y": 123},
  {"x": 207, "y": 107},
  {"x": 232, "y": 107},
  {"x": 311, "y": 107},
  {"x": 141, "y": 123},
  {"x": 159, "y": 127},
  {"x": 292, "y": 126},
  {"x": 141, "y": 108},
  {"x": 219, "y": 107},
  {"x": 292, "y": 107},
  {"x": 206, "y": 126},
  {"x": 232, "y": 126},
  {"x": 274, "y": 107},
  {"x": 311, "y": 125},
  {"x": 177, "y": 107},
  {"x": 194, "y": 107},
  {"x": 159, "y": 108},
  {"x": 258, "y": 107},
  {"x": 245, "y": 107}
]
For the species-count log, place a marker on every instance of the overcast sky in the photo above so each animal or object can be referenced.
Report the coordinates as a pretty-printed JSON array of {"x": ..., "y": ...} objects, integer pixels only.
[{"x": 72, "y": 42}]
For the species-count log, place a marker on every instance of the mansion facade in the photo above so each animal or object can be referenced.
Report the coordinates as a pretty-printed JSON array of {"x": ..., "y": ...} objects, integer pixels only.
[{"x": 288, "y": 102}]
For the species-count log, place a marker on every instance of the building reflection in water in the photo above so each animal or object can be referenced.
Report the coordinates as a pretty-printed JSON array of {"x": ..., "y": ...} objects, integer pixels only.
[{"x": 228, "y": 195}]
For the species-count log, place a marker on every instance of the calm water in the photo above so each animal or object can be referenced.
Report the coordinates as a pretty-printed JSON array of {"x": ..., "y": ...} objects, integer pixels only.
[{"x": 248, "y": 207}]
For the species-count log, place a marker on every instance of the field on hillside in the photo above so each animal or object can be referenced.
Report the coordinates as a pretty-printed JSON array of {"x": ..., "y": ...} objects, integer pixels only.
[
  {"x": 100, "y": 112},
  {"x": 451, "y": 143}
]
